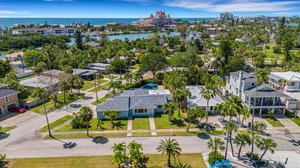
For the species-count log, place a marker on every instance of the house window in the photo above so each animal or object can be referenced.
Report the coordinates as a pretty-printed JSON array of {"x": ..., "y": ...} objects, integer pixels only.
[
  {"x": 159, "y": 106},
  {"x": 6, "y": 99},
  {"x": 292, "y": 84},
  {"x": 252, "y": 84},
  {"x": 140, "y": 111}
]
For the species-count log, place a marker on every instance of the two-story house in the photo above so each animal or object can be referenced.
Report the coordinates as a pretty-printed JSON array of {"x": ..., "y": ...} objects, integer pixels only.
[
  {"x": 260, "y": 98},
  {"x": 8, "y": 99},
  {"x": 285, "y": 81},
  {"x": 136, "y": 103}
]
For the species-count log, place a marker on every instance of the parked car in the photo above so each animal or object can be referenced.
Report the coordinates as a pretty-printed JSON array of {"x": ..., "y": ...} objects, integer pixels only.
[{"x": 17, "y": 110}]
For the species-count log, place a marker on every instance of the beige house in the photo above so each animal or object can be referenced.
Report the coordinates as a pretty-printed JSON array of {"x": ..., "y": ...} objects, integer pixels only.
[{"x": 8, "y": 99}]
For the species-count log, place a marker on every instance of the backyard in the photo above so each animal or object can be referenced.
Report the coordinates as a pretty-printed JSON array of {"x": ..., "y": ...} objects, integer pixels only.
[{"x": 155, "y": 161}]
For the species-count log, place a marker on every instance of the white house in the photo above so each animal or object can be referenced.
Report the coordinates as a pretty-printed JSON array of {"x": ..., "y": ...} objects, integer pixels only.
[
  {"x": 260, "y": 98},
  {"x": 292, "y": 81}
]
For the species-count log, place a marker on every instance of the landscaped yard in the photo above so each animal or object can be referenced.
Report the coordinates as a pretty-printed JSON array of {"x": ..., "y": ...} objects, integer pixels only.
[
  {"x": 162, "y": 121},
  {"x": 118, "y": 125},
  {"x": 296, "y": 121},
  {"x": 190, "y": 133},
  {"x": 87, "y": 85},
  {"x": 5, "y": 129},
  {"x": 56, "y": 123},
  {"x": 140, "y": 123},
  {"x": 155, "y": 161},
  {"x": 274, "y": 122},
  {"x": 50, "y": 104},
  {"x": 291, "y": 116},
  {"x": 83, "y": 135},
  {"x": 100, "y": 87}
]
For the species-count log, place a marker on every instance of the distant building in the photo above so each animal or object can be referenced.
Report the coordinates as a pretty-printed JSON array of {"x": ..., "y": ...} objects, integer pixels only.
[
  {"x": 100, "y": 67},
  {"x": 225, "y": 17},
  {"x": 136, "y": 103},
  {"x": 70, "y": 31},
  {"x": 8, "y": 99},
  {"x": 160, "y": 19},
  {"x": 86, "y": 74},
  {"x": 16, "y": 59}
]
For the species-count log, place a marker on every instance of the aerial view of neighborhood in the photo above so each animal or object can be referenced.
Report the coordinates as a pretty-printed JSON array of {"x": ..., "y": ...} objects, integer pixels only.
[{"x": 149, "y": 84}]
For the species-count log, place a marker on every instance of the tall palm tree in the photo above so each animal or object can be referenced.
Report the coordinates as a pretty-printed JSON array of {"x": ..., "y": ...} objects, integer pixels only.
[
  {"x": 241, "y": 140},
  {"x": 192, "y": 116},
  {"x": 119, "y": 156},
  {"x": 169, "y": 108},
  {"x": 230, "y": 128},
  {"x": 208, "y": 93},
  {"x": 202, "y": 114},
  {"x": 180, "y": 95},
  {"x": 136, "y": 155},
  {"x": 41, "y": 94},
  {"x": 170, "y": 148},
  {"x": 266, "y": 144},
  {"x": 87, "y": 114},
  {"x": 215, "y": 144}
]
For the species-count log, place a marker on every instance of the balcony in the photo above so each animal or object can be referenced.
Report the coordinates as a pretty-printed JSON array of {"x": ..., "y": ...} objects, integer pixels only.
[{"x": 267, "y": 103}]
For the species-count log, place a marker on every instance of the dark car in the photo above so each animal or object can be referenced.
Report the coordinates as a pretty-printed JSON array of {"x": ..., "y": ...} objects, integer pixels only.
[{"x": 17, "y": 110}]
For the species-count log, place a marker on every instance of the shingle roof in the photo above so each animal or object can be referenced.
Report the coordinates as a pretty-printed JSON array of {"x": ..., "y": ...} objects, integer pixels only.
[
  {"x": 196, "y": 99},
  {"x": 116, "y": 103},
  {"x": 264, "y": 91},
  {"x": 6, "y": 92}
]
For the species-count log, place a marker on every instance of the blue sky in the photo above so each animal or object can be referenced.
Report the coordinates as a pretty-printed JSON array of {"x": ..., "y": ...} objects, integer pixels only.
[{"x": 142, "y": 8}]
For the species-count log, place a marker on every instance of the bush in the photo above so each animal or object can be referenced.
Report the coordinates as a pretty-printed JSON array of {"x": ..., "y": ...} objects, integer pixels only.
[
  {"x": 277, "y": 49},
  {"x": 3, "y": 162},
  {"x": 219, "y": 157},
  {"x": 252, "y": 156},
  {"x": 289, "y": 114},
  {"x": 77, "y": 121},
  {"x": 267, "y": 47}
]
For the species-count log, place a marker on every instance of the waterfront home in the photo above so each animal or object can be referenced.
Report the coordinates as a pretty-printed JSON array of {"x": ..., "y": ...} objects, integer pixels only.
[
  {"x": 285, "y": 81},
  {"x": 197, "y": 100},
  {"x": 260, "y": 98},
  {"x": 136, "y": 103},
  {"x": 8, "y": 99},
  {"x": 70, "y": 31}
]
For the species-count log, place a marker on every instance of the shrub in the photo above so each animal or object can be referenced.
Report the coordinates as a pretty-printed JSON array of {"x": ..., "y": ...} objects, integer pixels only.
[
  {"x": 252, "y": 156},
  {"x": 277, "y": 50},
  {"x": 3, "y": 162},
  {"x": 267, "y": 47},
  {"x": 219, "y": 157},
  {"x": 78, "y": 121}
]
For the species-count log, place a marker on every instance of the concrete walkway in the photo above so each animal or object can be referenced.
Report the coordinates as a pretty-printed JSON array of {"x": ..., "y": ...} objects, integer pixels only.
[
  {"x": 152, "y": 125},
  {"x": 129, "y": 126}
]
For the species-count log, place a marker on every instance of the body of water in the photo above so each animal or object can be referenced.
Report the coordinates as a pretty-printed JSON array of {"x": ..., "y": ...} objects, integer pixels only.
[
  {"x": 8, "y": 22},
  {"x": 130, "y": 37}
]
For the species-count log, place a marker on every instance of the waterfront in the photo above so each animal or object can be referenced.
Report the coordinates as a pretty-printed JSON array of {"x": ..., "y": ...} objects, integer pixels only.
[
  {"x": 8, "y": 22},
  {"x": 130, "y": 37}
]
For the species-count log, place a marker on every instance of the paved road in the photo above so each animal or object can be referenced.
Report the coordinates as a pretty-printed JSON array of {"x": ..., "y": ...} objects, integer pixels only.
[{"x": 28, "y": 130}]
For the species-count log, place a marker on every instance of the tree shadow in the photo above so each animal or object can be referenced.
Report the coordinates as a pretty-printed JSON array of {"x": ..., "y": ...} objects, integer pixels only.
[
  {"x": 100, "y": 140},
  {"x": 3, "y": 135},
  {"x": 66, "y": 145},
  {"x": 178, "y": 122},
  {"x": 118, "y": 125},
  {"x": 203, "y": 136},
  {"x": 295, "y": 142}
]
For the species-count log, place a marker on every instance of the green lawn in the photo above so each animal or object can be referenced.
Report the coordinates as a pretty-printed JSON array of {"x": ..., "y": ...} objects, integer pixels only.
[
  {"x": 6, "y": 129},
  {"x": 296, "y": 121},
  {"x": 83, "y": 135},
  {"x": 118, "y": 125},
  {"x": 100, "y": 87},
  {"x": 87, "y": 85},
  {"x": 274, "y": 122},
  {"x": 56, "y": 123},
  {"x": 3, "y": 53},
  {"x": 140, "y": 134},
  {"x": 140, "y": 123},
  {"x": 50, "y": 104},
  {"x": 155, "y": 161},
  {"x": 162, "y": 121},
  {"x": 191, "y": 133}
]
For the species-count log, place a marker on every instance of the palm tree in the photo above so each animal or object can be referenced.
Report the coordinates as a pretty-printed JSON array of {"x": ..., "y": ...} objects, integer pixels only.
[
  {"x": 169, "y": 108},
  {"x": 119, "y": 156},
  {"x": 242, "y": 139},
  {"x": 87, "y": 115},
  {"x": 170, "y": 148},
  {"x": 181, "y": 94},
  {"x": 192, "y": 116},
  {"x": 215, "y": 144},
  {"x": 282, "y": 84},
  {"x": 246, "y": 114},
  {"x": 41, "y": 94},
  {"x": 111, "y": 115},
  {"x": 208, "y": 93},
  {"x": 266, "y": 144},
  {"x": 115, "y": 85},
  {"x": 230, "y": 128},
  {"x": 202, "y": 114},
  {"x": 136, "y": 155}
]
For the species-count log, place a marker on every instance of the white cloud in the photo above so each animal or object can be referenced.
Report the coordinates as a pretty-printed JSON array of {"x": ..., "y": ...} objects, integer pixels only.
[{"x": 233, "y": 5}]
